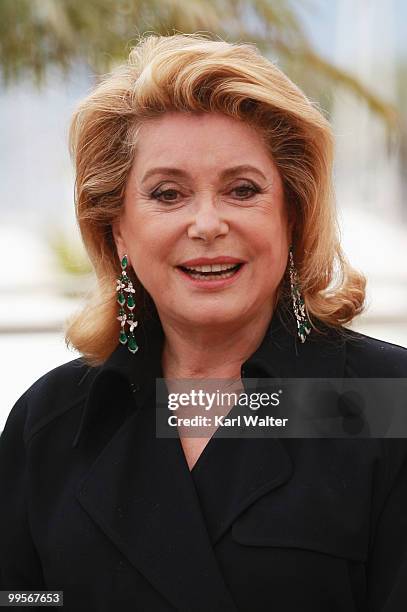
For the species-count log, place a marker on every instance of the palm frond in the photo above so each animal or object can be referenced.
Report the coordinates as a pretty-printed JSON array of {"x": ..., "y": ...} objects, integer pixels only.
[{"x": 36, "y": 35}]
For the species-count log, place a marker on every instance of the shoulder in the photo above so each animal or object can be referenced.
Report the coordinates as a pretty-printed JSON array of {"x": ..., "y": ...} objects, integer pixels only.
[
  {"x": 369, "y": 357},
  {"x": 55, "y": 392},
  {"x": 372, "y": 357}
]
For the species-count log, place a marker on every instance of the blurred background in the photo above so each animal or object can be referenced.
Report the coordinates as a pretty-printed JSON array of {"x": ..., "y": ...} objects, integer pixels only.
[{"x": 349, "y": 56}]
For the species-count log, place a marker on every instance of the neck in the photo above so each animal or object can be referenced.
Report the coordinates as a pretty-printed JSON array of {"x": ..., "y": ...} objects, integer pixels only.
[{"x": 211, "y": 352}]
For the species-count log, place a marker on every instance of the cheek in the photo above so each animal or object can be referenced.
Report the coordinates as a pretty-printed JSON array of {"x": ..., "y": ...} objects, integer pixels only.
[
  {"x": 272, "y": 252},
  {"x": 150, "y": 248},
  {"x": 143, "y": 238},
  {"x": 271, "y": 241}
]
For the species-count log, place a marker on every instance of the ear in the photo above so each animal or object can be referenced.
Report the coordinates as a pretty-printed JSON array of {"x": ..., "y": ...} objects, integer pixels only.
[{"x": 118, "y": 237}]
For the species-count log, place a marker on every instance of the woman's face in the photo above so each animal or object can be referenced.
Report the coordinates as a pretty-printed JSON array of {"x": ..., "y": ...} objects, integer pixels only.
[{"x": 204, "y": 186}]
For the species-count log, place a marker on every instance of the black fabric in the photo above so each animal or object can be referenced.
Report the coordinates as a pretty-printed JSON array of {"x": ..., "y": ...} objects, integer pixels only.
[{"x": 94, "y": 504}]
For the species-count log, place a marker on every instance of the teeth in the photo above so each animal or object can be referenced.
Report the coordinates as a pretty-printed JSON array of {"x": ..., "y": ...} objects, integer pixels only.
[
  {"x": 211, "y": 268},
  {"x": 212, "y": 276}
]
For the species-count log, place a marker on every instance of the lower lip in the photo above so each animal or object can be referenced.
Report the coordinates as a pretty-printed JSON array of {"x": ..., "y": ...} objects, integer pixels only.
[{"x": 212, "y": 284}]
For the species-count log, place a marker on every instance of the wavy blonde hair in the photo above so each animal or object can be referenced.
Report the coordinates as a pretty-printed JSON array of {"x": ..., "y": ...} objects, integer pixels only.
[{"x": 193, "y": 73}]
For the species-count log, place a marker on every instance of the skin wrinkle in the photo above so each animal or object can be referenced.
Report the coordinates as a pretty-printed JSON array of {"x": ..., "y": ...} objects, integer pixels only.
[
  {"x": 207, "y": 333},
  {"x": 225, "y": 174}
]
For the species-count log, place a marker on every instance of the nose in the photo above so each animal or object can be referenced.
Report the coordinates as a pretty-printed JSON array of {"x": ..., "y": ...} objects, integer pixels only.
[{"x": 207, "y": 223}]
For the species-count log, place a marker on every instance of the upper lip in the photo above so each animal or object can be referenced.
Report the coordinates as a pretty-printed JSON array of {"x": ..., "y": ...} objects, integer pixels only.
[{"x": 202, "y": 261}]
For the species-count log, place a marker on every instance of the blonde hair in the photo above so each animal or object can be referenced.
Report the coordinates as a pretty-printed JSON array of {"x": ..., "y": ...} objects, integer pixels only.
[{"x": 192, "y": 73}]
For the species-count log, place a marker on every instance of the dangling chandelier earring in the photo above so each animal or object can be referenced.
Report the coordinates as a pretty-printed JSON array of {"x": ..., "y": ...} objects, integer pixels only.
[
  {"x": 126, "y": 317},
  {"x": 303, "y": 322}
]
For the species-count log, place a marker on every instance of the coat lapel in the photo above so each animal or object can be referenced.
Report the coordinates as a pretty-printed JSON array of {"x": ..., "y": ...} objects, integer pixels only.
[
  {"x": 140, "y": 493},
  {"x": 139, "y": 489},
  {"x": 233, "y": 473}
]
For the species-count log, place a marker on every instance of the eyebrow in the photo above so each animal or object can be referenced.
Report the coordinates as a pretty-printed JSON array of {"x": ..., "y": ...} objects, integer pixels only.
[{"x": 177, "y": 172}]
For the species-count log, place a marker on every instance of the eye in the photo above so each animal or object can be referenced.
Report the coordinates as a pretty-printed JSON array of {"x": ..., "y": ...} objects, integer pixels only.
[
  {"x": 244, "y": 192},
  {"x": 163, "y": 193},
  {"x": 247, "y": 189}
]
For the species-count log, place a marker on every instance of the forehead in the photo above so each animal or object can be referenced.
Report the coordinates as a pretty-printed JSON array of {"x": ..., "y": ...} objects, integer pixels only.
[{"x": 210, "y": 140}]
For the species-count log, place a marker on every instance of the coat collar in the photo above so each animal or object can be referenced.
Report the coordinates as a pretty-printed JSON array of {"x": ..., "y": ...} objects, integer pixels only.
[
  {"x": 280, "y": 354},
  {"x": 165, "y": 519}
]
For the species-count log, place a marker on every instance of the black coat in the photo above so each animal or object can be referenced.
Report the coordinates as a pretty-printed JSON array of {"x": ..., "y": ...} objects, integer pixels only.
[{"x": 94, "y": 504}]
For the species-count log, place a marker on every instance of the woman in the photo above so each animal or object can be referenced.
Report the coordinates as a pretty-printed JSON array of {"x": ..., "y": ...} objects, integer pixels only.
[{"x": 204, "y": 199}]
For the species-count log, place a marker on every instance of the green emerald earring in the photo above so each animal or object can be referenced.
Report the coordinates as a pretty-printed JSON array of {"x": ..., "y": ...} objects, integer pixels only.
[
  {"x": 303, "y": 322},
  {"x": 124, "y": 285}
]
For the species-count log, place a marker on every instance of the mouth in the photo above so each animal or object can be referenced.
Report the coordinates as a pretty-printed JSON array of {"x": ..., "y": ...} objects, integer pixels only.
[{"x": 211, "y": 275}]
